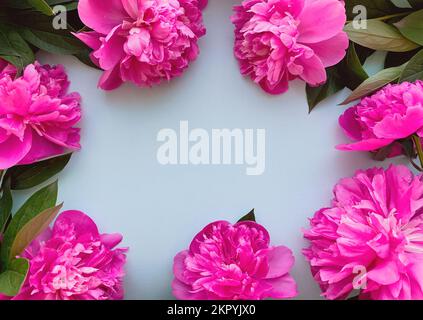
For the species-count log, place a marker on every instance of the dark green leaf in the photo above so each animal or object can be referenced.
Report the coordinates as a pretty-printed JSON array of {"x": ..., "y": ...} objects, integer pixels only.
[
  {"x": 12, "y": 279},
  {"x": 41, "y": 6},
  {"x": 375, "y": 82},
  {"x": 36, "y": 204},
  {"x": 363, "y": 53},
  {"x": 53, "y": 42},
  {"x": 351, "y": 70},
  {"x": 13, "y": 48},
  {"x": 374, "y": 8},
  {"x": 414, "y": 69},
  {"x": 6, "y": 204},
  {"x": 250, "y": 216},
  {"x": 416, "y": 4},
  {"x": 380, "y": 36},
  {"x": 317, "y": 94},
  {"x": 28, "y": 176}
]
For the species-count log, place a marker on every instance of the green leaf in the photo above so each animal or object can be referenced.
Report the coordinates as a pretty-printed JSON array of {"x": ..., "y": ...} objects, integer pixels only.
[
  {"x": 351, "y": 70},
  {"x": 36, "y": 204},
  {"x": 414, "y": 69},
  {"x": 250, "y": 216},
  {"x": 411, "y": 27},
  {"x": 374, "y": 8},
  {"x": 6, "y": 204},
  {"x": 13, "y": 278},
  {"x": 13, "y": 48},
  {"x": 28, "y": 176},
  {"x": 42, "y": 6},
  {"x": 375, "y": 82},
  {"x": 317, "y": 94},
  {"x": 32, "y": 229},
  {"x": 380, "y": 36},
  {"x": 53, "y": 42}
]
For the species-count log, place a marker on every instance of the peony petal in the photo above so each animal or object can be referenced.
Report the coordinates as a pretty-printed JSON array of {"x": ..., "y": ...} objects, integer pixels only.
[
  {"x": 365, "y": 145},
  {"x": 41, "y": 149},
  {"x": 179, "y": 265},
  {"x": 110, "y": 79},
  {"x": 82, "y": 223},
  {"x": 101, "y": 15},
  {"x": 91, "y": 39},
  {"x": 396, "y": 126},
  {"x": 280, "y": 261},
  {"x": 331, "y": 51},
  {"x": 13, "y": 150},
  {"x": 349, "y": 123},
  {"x": 321, "y": 20},
  {"x": 283, "y": 287},
  {"x": 111, "y": 240},
  {"x": 111, "y": 52},
  {"x": 384, "y": 273},
  {"x": 313, "y": 72}
]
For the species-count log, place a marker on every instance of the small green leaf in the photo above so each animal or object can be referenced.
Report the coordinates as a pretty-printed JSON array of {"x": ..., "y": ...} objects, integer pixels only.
[
  {"x": 250, "y": 216},
  {"x": 41, "y": 6},
  {"x": 414, "y": 69},
  {"x": 375, "y": 82},
  {"x": 36, "y": 204},
  {"x": 28, "y": 176},
  {"x": 6, "y": 204},
  {"x": 380, "y": 36},
  {"x": 351, "y": 70},
  {"x": 14, "y": 49},
  {"x": 317, "y": 94},
  {"x": 14, "y": 277},
  {"x": 411, "y": 27},
  {"x": 32, "y": 229}
]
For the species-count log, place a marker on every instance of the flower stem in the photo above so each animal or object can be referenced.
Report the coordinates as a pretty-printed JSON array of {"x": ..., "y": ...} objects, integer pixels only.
[{"x": 419, "y": 149}]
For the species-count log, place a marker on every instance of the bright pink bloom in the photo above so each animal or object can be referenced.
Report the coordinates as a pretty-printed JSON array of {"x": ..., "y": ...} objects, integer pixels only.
[
  {"x": 37, "y": 114},
  {"x": 280, "y": 40},
  {"x": 371, "y": 237},
  {"x": 141, "y": 41},
  {"x": 233, "y": 262},
  {"x": 74, "y": 262},
  {"x": 395, "y": 112}
]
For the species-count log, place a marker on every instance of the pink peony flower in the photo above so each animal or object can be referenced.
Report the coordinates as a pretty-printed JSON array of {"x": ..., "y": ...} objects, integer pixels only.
[
  {"x": 37, "y": 115},
  {"x": 280, "y": 40},
  {"x": 371, "y": 237},
  {"x": 233, "y": 262},
  {"x": 74, "y": 262},
  {"x": 393, "y": 113},
  {"x": 141, "y": 41}
]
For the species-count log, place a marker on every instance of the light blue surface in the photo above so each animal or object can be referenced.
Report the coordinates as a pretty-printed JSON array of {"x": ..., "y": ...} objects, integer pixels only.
[{"x": 117, "y": 180}]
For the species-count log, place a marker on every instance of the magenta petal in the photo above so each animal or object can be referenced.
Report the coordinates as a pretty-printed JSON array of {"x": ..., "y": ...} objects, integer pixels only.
[
  {"x": 182, "y": 291},
  {"x": 13, "y": 150},
  {"x": 385, "y": 273},
  {"x": 350, "y": 125},
  {"x": 396, "y": 126},
  {"x": 331, "y": 51},
  {"x": 41, "y": 149},
  {"x": 82, "y": 223},
  {"x": 111, "y": 52},
  {"x": 179, "y": 265},
  {"x": 365, "y": 145},
  {"x": 111, "y": 240},
  {"x": 280, "y": 261},
  {"x": 202, "y": 4},
  {"x": 91, "y": 39},
  {"x": 101, "y": 15},
  {"x": 283, "y": 287},
  {"x": 110, "y": 79},
  {"x": 320, "y": 20},
  {"x": 314, "y": 72}
]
